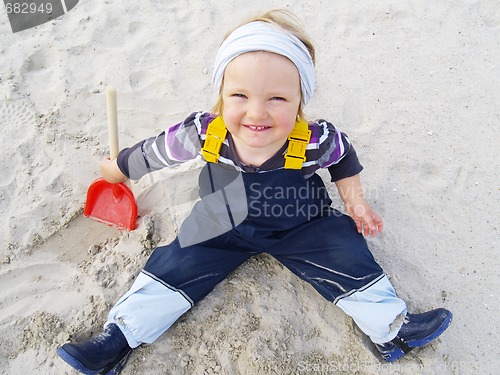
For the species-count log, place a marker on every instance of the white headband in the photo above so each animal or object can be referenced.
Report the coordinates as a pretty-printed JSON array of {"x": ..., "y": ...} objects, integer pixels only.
[{"x": 264, "y": 36}]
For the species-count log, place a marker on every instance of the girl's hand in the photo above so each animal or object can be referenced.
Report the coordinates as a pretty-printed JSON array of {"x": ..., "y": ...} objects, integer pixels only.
[
  {"x": 110, "y": 171},
  {"x": 367, "y": 221}
]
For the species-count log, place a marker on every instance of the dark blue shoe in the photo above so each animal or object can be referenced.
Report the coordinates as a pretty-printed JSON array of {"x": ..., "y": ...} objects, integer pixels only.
[
  {"x": 106, "y": 354},
  {"x": 417, "y": 330}
]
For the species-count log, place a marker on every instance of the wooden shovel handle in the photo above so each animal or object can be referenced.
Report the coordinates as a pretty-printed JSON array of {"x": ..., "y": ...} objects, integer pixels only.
[{"x": 112, "y": 123}]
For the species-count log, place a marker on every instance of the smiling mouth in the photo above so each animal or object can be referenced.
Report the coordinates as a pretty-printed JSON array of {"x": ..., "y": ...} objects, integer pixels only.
[{"x": 257, "y": 128}]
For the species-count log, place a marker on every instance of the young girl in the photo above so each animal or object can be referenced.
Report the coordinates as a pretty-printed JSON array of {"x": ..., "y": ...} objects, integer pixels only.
[{"x": 260, "y": 193}]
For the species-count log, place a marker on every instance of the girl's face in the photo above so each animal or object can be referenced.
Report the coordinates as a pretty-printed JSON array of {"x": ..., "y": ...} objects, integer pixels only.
[{"x": 261, "y": 97}]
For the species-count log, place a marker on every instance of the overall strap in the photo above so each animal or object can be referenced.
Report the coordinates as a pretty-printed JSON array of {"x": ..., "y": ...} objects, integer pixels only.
[
  {"x": 216, "y": 134},
  {"x": 297, "y": 143},
  {"x": 294, "y": 157}
]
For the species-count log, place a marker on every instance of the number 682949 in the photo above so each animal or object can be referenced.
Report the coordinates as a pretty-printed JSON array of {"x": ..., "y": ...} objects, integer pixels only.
[{"x": 28, "y": 8}]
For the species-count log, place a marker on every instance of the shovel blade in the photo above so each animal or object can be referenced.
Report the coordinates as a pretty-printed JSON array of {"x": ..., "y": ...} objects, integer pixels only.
[{"x": 112, "y": 204}]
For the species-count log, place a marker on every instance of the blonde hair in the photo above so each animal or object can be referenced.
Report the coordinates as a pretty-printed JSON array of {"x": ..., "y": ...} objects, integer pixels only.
[{"x": 290, "y": 23}]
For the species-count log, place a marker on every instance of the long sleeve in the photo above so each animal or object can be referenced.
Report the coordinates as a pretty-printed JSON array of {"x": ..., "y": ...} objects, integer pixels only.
[{"x": 175, "y": 145}]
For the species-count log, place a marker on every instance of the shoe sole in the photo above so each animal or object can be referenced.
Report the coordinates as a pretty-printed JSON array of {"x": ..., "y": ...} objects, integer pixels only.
[
  {"x": 398, "y": 353},
  {"x": 113, "y": 369}
]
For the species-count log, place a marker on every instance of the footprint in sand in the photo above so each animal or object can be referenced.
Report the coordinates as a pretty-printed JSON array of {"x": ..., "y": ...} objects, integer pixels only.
[
  {"x": 489, "y": 11},
  {"x": 16, "y": 121},
  {"x": 34, "y": 62},
  {"x": 15, "y": 117}
]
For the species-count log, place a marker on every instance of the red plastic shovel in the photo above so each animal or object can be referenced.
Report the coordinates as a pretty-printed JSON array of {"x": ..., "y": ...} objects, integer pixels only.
[{"x": 112, "y": 204}]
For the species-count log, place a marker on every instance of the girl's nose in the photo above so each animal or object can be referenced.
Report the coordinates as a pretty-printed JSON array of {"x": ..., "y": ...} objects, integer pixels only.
[{"x": 256, "y": 111}]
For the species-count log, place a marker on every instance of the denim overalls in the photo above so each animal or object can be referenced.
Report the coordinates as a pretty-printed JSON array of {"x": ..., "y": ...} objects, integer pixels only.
[{"x": 280, "y": 213}]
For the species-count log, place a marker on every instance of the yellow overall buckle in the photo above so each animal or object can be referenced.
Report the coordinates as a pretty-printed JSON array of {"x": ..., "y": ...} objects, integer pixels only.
[
  {"x": 216, "y": 134},
  {"x": 297, "y": 143}
]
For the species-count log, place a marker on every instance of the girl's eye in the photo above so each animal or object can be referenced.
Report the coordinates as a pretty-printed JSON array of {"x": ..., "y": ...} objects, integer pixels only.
[
  {"x": 238, "y": 95},
  {"x": 278, "y": 98}
]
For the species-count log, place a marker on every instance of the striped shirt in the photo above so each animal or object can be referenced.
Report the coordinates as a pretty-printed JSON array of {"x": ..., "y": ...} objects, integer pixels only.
[{"x": 328, "y": 148}]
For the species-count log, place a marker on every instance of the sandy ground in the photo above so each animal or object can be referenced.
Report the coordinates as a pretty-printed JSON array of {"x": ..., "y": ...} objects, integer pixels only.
[{"x": 414, "y": 83}]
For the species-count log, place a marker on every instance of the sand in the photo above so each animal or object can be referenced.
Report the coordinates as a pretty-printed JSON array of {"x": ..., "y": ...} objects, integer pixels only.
[{"x": 415, "y": 84}]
